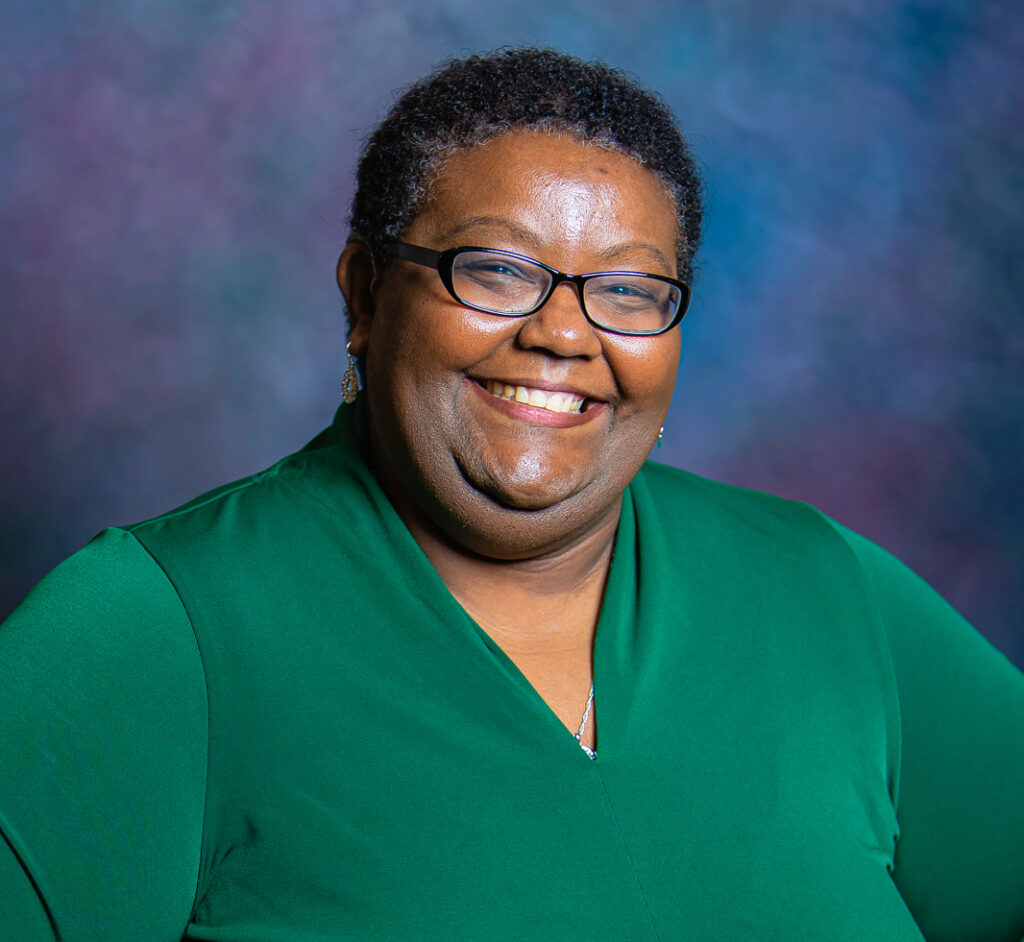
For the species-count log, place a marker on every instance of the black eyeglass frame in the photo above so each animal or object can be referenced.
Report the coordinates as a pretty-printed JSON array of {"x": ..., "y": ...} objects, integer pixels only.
[{"x": 444, "y": 262}]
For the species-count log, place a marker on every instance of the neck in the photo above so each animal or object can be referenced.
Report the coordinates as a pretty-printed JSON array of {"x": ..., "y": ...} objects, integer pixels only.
[{"x": 545, "y": 604}]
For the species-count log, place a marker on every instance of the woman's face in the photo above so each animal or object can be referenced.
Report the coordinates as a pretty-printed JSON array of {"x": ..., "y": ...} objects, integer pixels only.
[{"x": 503, "y": 478}]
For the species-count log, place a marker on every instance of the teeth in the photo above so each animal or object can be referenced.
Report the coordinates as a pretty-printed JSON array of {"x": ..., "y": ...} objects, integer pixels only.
[{"x": 552, "y": 401}]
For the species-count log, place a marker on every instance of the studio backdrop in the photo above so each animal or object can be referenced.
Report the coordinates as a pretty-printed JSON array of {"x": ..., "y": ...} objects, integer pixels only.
[{"x": 174, "y": 183}]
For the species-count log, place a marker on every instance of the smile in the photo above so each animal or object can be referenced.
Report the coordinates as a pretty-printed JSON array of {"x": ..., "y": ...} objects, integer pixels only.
[{"x": 561, "y": 402}]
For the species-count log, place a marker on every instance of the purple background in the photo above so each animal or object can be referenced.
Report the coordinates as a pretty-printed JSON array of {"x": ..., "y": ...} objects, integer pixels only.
[{"x": 174, "y": 180}]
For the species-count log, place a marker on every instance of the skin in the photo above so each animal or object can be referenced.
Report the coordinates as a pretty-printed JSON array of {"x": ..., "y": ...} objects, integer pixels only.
[{"x": 517, "y": 507}]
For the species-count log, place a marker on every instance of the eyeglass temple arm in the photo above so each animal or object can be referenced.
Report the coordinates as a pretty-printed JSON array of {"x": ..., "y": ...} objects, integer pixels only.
[{"x": 415, "y": 253}]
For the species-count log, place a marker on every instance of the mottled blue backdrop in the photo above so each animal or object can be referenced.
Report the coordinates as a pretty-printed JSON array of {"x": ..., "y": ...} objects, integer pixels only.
[{"x": 174, "y": 177}]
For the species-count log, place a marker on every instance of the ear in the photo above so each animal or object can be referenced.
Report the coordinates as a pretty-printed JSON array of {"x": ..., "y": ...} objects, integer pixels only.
[{"x": 356, "y": 278}]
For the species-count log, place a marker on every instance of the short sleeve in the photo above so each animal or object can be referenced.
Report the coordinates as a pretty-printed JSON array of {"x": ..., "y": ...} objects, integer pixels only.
[
  {"x": 103, "y": 733},
  {"x": 960, "y": 856}
]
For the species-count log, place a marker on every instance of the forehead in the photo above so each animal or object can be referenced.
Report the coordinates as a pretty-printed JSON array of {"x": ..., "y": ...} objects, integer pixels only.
[{"x": 551, "y": 185}]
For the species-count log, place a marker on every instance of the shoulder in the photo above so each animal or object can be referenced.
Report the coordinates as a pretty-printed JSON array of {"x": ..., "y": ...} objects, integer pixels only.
[
  {"x": 683, "y": 491},
  {"x": 763, "y": 571},
  {"x": 107, "y": 582},
  {"x": 770, "y": 541},
  {"x": 103, "y": 629},
  {"x": 693, "y": 510},
  {"x": 326, "y": 485},
  {"x": 104, "y": 720},
  {"x": 282, "y": 483},
  {"x": 126, "y": 598},
  {"x": 688, "y": 507}
]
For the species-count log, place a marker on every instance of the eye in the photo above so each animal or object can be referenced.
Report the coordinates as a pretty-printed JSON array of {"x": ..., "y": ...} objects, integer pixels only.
[
  {"x": 626, "y": 289},
  {"x": 490, "y": 269},
  {"x": 498, "y": 269},
  {"x": 625, "y": 294}
]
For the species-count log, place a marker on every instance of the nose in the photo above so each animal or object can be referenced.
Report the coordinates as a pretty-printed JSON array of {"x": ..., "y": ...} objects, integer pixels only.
[{"x": 561, "y": 327}]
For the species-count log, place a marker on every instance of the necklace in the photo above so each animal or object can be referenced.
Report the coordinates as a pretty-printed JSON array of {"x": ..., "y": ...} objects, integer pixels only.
[{"x": 583, "y": 726}]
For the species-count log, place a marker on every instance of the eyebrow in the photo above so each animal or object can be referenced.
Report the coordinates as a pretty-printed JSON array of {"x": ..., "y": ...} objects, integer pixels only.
[{"x": 532, "y": 239}]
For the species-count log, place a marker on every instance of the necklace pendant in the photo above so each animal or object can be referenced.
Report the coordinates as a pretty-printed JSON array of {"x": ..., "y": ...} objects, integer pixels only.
[{"x": 583, "y": 726}]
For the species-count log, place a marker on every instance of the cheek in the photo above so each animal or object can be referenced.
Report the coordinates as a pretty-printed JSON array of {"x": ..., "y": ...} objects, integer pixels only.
[
  {"x": 422, "y": 334},
  {"x": 645, "y": 369}
]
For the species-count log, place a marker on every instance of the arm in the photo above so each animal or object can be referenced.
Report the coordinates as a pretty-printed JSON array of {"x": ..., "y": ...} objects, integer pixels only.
[
  {"x": 960, "y": 855},
  {"x": 102, "y": 753}
]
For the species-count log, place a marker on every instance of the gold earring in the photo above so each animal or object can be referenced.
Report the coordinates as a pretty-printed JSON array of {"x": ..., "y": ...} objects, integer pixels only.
[
  {"x": 350, "y": 381},
  {"x": 661, "y": 435}
]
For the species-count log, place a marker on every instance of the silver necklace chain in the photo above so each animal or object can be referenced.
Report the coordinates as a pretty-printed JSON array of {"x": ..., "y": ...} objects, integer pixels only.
[{"x": 583, "y": 726}]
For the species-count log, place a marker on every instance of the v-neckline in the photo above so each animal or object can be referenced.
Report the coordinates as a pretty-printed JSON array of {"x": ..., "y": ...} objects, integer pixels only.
[
  {"x": 612, "y": 659},
  {"x": 611, "y": 640}
]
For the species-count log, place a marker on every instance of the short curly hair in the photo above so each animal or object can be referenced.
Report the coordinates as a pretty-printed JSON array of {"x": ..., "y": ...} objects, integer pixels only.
[{"x": 465, "y": 102}]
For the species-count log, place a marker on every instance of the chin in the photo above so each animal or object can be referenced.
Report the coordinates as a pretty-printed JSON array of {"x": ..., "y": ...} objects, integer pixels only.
[
  {"x": 513, "y": 520},
  {"x": 535, "y": 490}
]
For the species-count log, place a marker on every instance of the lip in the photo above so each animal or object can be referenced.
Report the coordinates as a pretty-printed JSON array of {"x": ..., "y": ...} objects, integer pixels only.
[
  {"x": 535, "y": 415},
  {"x": 546, "y": 385}
]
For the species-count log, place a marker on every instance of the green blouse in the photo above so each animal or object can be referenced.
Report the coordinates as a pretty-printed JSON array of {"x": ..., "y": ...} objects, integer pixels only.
[{"x": 263, "y": 717}]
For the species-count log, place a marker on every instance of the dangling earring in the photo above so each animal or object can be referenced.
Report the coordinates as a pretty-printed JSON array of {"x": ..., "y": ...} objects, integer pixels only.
[
  {"x": 350, "y": 381},
  {"x": 661, "y": 435}
]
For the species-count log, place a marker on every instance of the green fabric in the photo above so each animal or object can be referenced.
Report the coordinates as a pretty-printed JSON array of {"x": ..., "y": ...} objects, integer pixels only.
[{"x": 262, "y": 717}]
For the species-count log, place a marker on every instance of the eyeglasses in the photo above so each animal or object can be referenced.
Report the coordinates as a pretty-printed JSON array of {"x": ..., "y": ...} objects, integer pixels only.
[{"x": 511, "y": 285}]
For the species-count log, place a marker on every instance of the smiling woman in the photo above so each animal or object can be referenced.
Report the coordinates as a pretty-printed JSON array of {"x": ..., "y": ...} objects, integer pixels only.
[
  {"x": 478, "y": 461},
  {"x": 346, "y": 698}
]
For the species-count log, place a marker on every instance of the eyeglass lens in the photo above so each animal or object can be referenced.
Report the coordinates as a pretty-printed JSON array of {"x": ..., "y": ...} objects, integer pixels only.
[{"x": 504, "y": 284}]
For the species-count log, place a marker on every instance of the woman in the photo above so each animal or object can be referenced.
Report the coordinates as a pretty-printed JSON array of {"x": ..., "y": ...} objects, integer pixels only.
[{"x": 346, "y": 698}]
